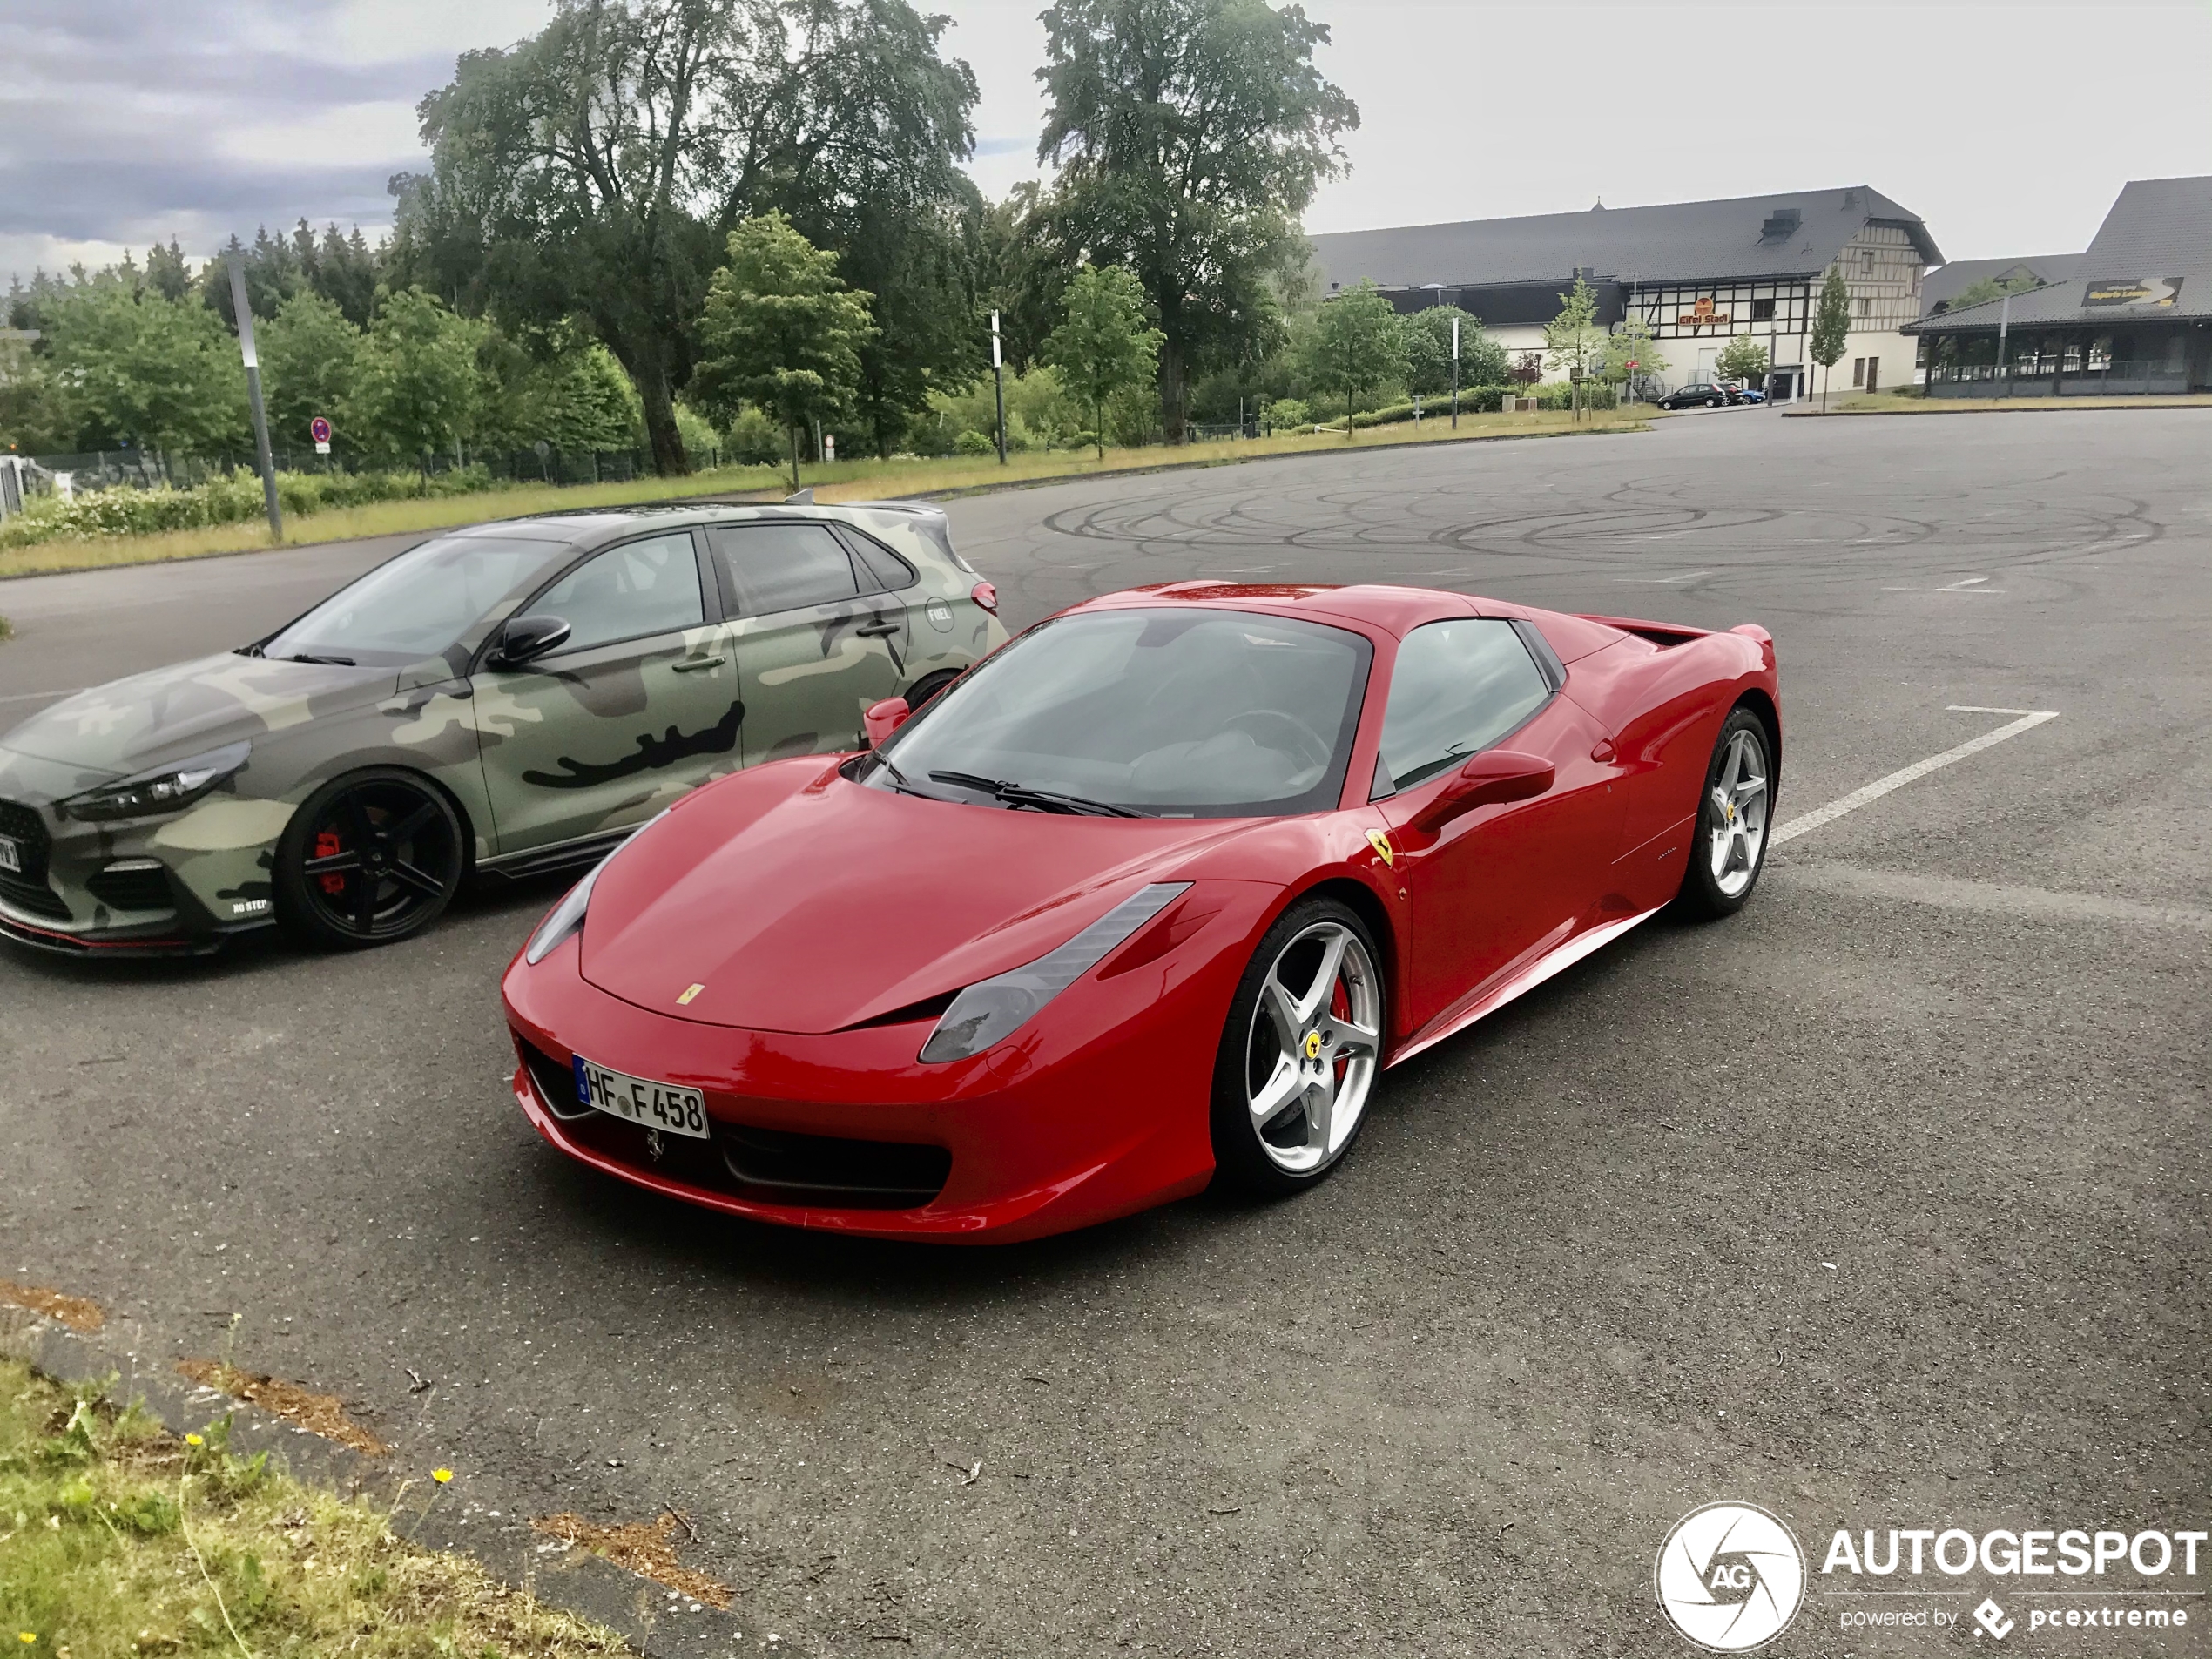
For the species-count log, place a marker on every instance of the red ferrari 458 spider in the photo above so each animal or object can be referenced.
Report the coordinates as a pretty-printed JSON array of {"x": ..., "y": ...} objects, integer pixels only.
[{"x": 1155, "y": 892}]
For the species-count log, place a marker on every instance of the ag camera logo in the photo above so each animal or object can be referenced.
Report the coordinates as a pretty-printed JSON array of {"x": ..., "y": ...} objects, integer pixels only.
[{"x": 1731, "y": 1577}]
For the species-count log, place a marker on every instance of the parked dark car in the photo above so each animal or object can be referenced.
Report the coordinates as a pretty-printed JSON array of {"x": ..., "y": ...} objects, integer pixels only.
[{"x": 1698, "y": 394}]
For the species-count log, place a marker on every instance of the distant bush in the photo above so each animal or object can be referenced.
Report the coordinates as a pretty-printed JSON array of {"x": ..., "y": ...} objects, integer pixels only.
[
  {"x": 1560, "y": 394},
  {"x": 974, "y": 443},
  {"x": 229, "y": 499},
  {"x": 755, "y": 441},
  {"x": 1287, "y": 414}
]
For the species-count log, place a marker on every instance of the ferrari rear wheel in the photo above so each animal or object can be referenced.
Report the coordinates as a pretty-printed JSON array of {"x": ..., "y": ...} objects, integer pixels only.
[
  {"x": 370, "y": 858},
  {"x": 1729, "y": 849},
  {"x": 1301, "y": 1051}
]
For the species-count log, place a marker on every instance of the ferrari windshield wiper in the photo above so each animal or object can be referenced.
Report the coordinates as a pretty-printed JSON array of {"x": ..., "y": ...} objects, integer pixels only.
[
  {"x": 900, "y": 781},
  {"x": 309, "y": 656},
  {"x": 1051, "y": 800}
]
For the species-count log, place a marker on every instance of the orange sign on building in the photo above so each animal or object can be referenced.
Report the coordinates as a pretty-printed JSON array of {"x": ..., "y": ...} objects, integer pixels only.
[{"x": 1702, "y": 316}]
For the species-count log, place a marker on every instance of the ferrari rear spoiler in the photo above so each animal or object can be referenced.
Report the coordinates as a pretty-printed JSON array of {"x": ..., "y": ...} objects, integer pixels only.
[{"x": 1664, "y": 634}]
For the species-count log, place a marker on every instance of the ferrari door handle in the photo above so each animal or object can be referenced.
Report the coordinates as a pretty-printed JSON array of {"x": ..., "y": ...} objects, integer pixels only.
[
  {"x": 881, "y": 628},
  {"x": 693, "y": 664},
  {"x": 1601, "y": 752}
]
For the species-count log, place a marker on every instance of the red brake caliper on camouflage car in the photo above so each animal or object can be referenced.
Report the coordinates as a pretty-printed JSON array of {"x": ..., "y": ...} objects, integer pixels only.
[{"x": 327, "y": 845}]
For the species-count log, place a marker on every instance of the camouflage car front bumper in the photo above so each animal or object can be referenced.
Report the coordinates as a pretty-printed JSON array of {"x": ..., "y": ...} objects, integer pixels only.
[{"x": 178, "y": 884}]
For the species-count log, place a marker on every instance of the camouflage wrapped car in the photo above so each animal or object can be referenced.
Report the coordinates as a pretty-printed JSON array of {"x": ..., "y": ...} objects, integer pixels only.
[{"x": 512, "y": 697}]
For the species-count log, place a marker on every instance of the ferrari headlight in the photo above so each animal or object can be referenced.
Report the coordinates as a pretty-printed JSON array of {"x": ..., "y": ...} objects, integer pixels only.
[
  {"x": 179, "y": 783},
  {"x": 994, "y": 1009},
  {"x": 567, "y": 917}
]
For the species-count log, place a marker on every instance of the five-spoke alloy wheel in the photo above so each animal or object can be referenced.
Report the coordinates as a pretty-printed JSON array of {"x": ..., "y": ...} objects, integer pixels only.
[
  {"x": 1302, "y": 1050},
  {"x": 1730, "y": 848},
  {"x": 368, "y": 859}
]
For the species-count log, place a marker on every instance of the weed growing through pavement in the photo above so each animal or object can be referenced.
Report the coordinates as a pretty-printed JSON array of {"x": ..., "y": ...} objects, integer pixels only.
[{"x": 118, "y": 1537}]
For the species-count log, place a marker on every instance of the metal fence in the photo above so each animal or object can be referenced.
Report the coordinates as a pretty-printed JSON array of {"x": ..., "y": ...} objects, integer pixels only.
[
  {"x": 2044, "y": 377},
  {"x": 153, "y": 469}
]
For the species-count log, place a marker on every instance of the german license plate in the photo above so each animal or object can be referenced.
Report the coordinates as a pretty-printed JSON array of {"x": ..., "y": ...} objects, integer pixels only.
[
  {"x": 11, "y": 856},
  {"x": 671, "y": 1109}
]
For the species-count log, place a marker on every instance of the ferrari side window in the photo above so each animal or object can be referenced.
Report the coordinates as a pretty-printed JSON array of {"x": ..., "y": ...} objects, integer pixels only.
[
  {"x": 629, "y": 592},
  {"x": 1458, "y": 687}
]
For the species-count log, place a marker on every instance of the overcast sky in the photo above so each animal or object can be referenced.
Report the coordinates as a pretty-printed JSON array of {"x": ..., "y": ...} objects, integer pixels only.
[{"x": 2008, "y": 127}]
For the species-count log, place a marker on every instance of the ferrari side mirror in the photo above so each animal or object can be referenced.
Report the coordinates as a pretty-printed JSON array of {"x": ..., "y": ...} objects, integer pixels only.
[
  {"x": 885, "y": 718},
  {"x": 525, "y": 638},
  {"x": 1490, "y": 779}
]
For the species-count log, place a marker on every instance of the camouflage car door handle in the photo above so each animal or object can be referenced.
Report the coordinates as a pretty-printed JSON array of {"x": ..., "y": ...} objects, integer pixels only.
[
  {"x": 881, "y": 628},
  {"x": 693, "y": 664}
]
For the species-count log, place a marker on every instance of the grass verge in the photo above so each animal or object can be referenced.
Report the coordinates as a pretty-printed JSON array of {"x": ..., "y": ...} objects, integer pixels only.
[
  {"x": 118, "y": 1537},
  {"x": 846, "y": 481},
  {"x": 1888, "y": 403}
]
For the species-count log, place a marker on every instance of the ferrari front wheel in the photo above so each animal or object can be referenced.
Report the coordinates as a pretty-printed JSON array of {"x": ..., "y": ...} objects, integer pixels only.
[
  {"x": 1301, "y": 1051},
  {"x": 1729, "y": 849}
]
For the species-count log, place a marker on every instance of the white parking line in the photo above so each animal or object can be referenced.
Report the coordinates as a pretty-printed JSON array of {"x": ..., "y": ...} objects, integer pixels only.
[{"x": 2028, "y": 720}]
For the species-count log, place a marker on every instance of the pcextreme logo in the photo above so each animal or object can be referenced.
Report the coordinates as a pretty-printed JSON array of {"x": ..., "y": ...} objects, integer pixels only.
[{"x": 1730, "y": 1576}]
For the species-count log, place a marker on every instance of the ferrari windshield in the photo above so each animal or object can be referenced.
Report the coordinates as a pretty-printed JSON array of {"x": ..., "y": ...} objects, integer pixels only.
[
  {"x": 1178, "y": 713},
  {"x": 420, "y": 604}
]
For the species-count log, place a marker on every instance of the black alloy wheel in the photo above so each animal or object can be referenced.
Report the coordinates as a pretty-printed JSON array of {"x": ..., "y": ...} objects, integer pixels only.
[
  {"x": 928, "y": 685},
  {"x": 371, "y": 857}
]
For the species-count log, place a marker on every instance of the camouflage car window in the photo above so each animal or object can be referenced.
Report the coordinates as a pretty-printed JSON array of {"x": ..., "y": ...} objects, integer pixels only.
[
  {"x": 891, "y": 572},
  {"x": 629, "y": 592},
  {"x": 416, "y": 605},
  {"x": 784, "y": 567}
]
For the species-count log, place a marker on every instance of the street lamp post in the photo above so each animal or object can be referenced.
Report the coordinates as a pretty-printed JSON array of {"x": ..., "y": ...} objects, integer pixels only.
[
  {"x": 253, "y": 398},
  {"x": 998, "y": 374}
]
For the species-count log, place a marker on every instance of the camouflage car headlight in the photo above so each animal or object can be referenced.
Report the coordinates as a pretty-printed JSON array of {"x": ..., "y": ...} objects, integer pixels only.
[
  {"x": 993, "y": 1010},
  {"x": 177, "y": 784}
]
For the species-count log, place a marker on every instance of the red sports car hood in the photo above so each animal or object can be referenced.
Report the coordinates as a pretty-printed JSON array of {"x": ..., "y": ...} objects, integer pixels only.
[{"x": 796, "y": 902}]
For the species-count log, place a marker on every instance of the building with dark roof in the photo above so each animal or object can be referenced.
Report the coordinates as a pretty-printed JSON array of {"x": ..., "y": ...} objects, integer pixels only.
[
  {"x": 1698, "y": 272},
  {"x": 2134, "y": 316},
  {"x": 1941, "y": 288}
]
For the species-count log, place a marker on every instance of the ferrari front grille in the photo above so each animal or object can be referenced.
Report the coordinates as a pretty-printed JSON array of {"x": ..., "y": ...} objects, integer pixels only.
[{"x": 830, "y": 1170}]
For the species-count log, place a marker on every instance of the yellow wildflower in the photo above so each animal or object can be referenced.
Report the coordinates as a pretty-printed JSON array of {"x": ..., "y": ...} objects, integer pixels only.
[{"x": 442, "y": 1476}]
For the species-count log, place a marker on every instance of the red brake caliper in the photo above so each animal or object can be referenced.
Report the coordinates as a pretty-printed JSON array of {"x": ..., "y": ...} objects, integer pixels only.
[{"x": 327, "y": 845}]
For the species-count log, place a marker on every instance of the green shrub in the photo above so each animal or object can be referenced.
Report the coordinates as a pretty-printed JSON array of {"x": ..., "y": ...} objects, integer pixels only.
[
  {"x": 232, "y": 499},
  {"x": 1287, "y": 413},
  {"x": 1560, "y": 394},
  {"x": 753, "y": 440},
  {"x": 974, "y": 443}
]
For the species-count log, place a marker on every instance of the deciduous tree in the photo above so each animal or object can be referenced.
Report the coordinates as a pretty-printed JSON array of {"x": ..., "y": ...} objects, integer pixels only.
[
  {"x": 1105, "y": 342},
  {"x": 1428, "y": 352},
  {"x": 598, "y": 168},
  {"x": 310, "y": 359},
  {"x": 1744, "y": 358},
  {"x": 1357, "y": 344},
  {"x": 417, "y": 391},
  {"x": 782, "y": 330},
  {"x": 1574, "y": 341},
  {"x": 1632, "y": 344},
  {"x": 161, "y": 373},
  {"x": 1190, "y": 136},
  {"x": 1831, "y": 326}
]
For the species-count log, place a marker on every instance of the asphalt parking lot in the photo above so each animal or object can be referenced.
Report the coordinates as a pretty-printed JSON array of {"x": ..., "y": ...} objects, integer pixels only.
[{"x": 1883, "y": 1204}]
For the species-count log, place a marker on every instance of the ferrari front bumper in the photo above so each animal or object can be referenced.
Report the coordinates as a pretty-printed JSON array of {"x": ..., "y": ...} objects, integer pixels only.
[{"x": 1098, "y": 1108}]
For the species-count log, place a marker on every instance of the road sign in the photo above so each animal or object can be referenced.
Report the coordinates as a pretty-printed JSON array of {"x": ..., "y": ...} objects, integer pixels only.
[{"x": 318, "y": 429}]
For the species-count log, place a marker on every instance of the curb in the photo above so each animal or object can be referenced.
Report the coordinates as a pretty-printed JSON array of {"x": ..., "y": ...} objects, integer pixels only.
[
  {"x": 583, "y": 1583},
  {"x": 1971, "y": 407}
]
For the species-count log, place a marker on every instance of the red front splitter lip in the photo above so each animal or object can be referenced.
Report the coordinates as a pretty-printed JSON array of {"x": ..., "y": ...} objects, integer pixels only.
[{"x": 1043, "y": 1134}]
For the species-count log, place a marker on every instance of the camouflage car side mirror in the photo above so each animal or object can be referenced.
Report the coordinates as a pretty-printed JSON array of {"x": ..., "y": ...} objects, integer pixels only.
[{"x": 525, "y": 638}]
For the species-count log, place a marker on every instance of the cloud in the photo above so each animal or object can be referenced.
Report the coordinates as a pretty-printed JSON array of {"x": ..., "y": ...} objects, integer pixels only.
[{"x": 129, "y": 122}]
